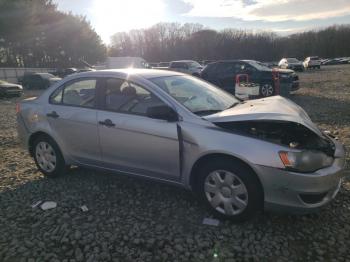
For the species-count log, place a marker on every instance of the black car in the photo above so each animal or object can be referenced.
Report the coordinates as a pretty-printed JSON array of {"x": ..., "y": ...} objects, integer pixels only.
[
  {"x": 223, "y": 74},
  {"x": 38, "y": 80}
]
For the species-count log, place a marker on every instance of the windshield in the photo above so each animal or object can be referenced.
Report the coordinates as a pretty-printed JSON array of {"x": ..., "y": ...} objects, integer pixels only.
[
  {"x": 46, "y": 75},
  {"x": 292, "y": 60},
  {"x": 196, "y": 95},
  {"x": 258, "y": 65},
  {"x": 194, "y": 64}
]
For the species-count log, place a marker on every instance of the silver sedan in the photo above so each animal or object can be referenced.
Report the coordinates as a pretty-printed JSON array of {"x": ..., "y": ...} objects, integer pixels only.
[{"x": 238, "y": 157}]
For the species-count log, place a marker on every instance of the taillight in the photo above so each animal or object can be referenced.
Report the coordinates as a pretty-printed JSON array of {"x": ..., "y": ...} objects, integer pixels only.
[{"x": 18, "y": 108}]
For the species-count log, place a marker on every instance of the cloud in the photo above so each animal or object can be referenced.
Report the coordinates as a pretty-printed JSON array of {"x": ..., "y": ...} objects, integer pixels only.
[{"x": 269, "y": 10}]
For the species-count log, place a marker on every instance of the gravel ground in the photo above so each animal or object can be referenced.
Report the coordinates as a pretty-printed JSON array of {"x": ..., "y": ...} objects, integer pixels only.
[{"x": 135, "y": 220}]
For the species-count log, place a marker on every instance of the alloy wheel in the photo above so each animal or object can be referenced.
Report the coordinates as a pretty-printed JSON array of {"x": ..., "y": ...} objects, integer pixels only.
[{"x": 267, "y": 90}]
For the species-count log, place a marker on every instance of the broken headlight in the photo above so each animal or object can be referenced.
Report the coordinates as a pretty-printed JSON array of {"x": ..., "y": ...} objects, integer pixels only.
[{"x": 305, "y": 161}]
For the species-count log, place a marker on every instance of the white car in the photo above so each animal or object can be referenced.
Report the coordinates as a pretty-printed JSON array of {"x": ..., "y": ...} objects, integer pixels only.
[
  {"x": 291, "y": 63},
  {"x": 312, "y": 62}
]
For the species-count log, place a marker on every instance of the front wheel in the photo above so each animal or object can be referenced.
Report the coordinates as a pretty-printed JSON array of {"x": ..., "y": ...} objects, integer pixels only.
[
  {"x": 230, "y": 189},
  {"x": 48, "y": 157},
  {"x": 266, "y": 90}
]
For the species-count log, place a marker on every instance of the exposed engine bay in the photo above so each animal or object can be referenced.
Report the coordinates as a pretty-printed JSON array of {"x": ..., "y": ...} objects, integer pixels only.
[{"x": 291, "y": 134}]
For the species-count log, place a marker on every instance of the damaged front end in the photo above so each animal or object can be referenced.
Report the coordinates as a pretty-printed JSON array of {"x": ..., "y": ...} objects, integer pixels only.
[{"x": 308, "y": 151}]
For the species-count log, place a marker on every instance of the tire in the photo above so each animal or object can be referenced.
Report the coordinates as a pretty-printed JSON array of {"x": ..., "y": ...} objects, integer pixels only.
[
  {"x": 48, "y": 157},
  {"x": 230, "y": 190},
  {"x": 267, "y": 90}
]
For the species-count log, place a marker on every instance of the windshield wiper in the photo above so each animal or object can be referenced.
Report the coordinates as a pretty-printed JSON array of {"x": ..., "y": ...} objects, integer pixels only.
[
  {"x": 233, "y": 105},
  {"x": 207, "y": 112}
]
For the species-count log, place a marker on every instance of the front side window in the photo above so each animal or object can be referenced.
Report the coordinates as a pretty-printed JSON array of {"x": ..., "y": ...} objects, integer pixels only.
[
  {"x": 196, "y": 95},
  {"x": 126, "y": 97},
  {"x": 80, "y": 93}
]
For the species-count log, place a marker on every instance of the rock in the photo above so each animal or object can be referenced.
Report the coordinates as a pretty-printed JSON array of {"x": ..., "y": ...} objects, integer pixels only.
[
  {"x": 79, "y": 255},
  {"x": 77, "y": 235}
]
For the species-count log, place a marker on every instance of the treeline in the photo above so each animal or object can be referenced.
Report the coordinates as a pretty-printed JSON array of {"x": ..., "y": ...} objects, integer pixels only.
[
  {"x": 33, "y": 33},
  {"x": 169, "y": 41}
]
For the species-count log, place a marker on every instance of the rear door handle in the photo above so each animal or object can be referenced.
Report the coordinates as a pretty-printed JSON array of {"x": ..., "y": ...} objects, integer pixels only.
[
  {"x": 107, "y": 123},
  {"x": 53, "y": 114}
]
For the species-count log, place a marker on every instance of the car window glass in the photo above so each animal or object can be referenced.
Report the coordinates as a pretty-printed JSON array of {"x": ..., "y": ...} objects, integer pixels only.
[
  {"x": 127, "y": 97},
  {"x": 114, "y": 98},
  {"x": 80, "y": 93},
  {"x": 194, "y": 94},
  {"x": 56, "y": 97}
]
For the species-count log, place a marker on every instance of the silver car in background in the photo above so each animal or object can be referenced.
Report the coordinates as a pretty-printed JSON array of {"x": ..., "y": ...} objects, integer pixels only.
[{"x": 238, "y": 157}]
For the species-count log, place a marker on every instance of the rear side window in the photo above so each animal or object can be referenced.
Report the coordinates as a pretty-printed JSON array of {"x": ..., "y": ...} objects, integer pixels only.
[
  {"x": 227, "y": 68},
  {"x": 179, "y": 65},
  {"x": 79, "y": 93}
]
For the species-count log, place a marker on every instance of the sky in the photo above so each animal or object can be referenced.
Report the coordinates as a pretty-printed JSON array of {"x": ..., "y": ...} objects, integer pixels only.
[{"x": 280, "y": 16}]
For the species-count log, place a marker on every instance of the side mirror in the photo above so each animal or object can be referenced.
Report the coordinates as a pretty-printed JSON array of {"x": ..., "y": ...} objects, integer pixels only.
[{"x": 162, "y": 112}]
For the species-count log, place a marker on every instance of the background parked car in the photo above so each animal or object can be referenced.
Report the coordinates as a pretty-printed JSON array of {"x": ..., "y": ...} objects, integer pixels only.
[
  {"x": 223, "y": 74},
  {"x": 186, "y": 66},
  {"x": 336, "y": 61},
  {"x": 8, "y": 89},
  {"x": 312, "y": 62},
  {"x": 163, "y": 64},
  {"x": 38, "y": 80},
  {"x": 291, "y": 63}
]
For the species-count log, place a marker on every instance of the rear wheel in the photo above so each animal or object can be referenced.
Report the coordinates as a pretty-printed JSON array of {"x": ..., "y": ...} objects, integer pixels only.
[
  {"x": 266, "y": 90},
  {"x": 230, "y": 190},
  {"x": 48, "y": 157}
]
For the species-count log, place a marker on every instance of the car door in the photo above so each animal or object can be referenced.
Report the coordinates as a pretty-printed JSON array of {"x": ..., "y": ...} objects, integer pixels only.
[
  {"x": 72, "y": 116},
  {"x": 227, "y": 75},
  {"x": 132, "y": 142},
  {"x": 252, "y": 72}
]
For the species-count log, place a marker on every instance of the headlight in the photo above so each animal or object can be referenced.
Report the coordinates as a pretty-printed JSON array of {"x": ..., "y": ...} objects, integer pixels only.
[{"x": 305, "y": 161}]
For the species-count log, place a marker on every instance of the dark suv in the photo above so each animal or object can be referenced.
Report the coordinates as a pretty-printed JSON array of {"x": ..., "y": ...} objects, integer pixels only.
[
  {"x": 38, "y": 80},
  {"x": 223, "y": 74}
]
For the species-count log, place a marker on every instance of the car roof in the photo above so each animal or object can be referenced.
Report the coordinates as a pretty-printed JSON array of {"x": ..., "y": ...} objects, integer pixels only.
[
  {"x": 144, "y": 73},
  {"x": 183, "y": 61}
]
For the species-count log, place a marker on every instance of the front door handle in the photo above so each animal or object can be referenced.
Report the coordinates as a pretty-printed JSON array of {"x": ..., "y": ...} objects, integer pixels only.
[
  {"x": 53, "y": 114},
  {"x": 107, "y": 123}
]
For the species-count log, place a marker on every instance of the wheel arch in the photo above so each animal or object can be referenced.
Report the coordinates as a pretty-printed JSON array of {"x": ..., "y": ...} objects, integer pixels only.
[
  {"x": 34, "y": 136},
  {"x": 214, "y": 157}
]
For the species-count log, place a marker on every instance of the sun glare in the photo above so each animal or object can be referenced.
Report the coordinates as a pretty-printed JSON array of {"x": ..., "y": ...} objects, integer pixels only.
[{"x": 113, "y": 16}]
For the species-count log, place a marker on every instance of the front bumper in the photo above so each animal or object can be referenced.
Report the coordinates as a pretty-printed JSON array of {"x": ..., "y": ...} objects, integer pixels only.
[{"x": 302, "y": 192}]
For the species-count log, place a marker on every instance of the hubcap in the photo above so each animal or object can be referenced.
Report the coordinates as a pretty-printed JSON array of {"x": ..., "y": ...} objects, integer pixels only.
[
  {"x": 267, "y": 90},
  {"x": 45, "y": 156},
  {"x": 226, "y": 192}
]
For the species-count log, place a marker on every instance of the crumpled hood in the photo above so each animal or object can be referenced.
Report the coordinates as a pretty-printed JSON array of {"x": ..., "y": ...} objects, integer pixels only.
[{"x": 274, "y": 108}]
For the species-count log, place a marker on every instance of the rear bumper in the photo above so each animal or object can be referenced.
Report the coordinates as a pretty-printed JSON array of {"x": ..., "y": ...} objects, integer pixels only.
[
  {"x": 302, "y": 192},
  {"x": 22, "y": 132}
]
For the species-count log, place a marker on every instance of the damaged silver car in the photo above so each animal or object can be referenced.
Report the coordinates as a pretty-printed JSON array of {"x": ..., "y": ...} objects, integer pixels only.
[{"x": 238, "y": 157}]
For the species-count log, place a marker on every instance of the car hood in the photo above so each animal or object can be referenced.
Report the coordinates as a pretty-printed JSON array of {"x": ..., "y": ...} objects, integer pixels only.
[
  {"x": 274, "y": 108},
  {"x": 9, "y": 85},
  {"x": 285, "y": 71}
]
